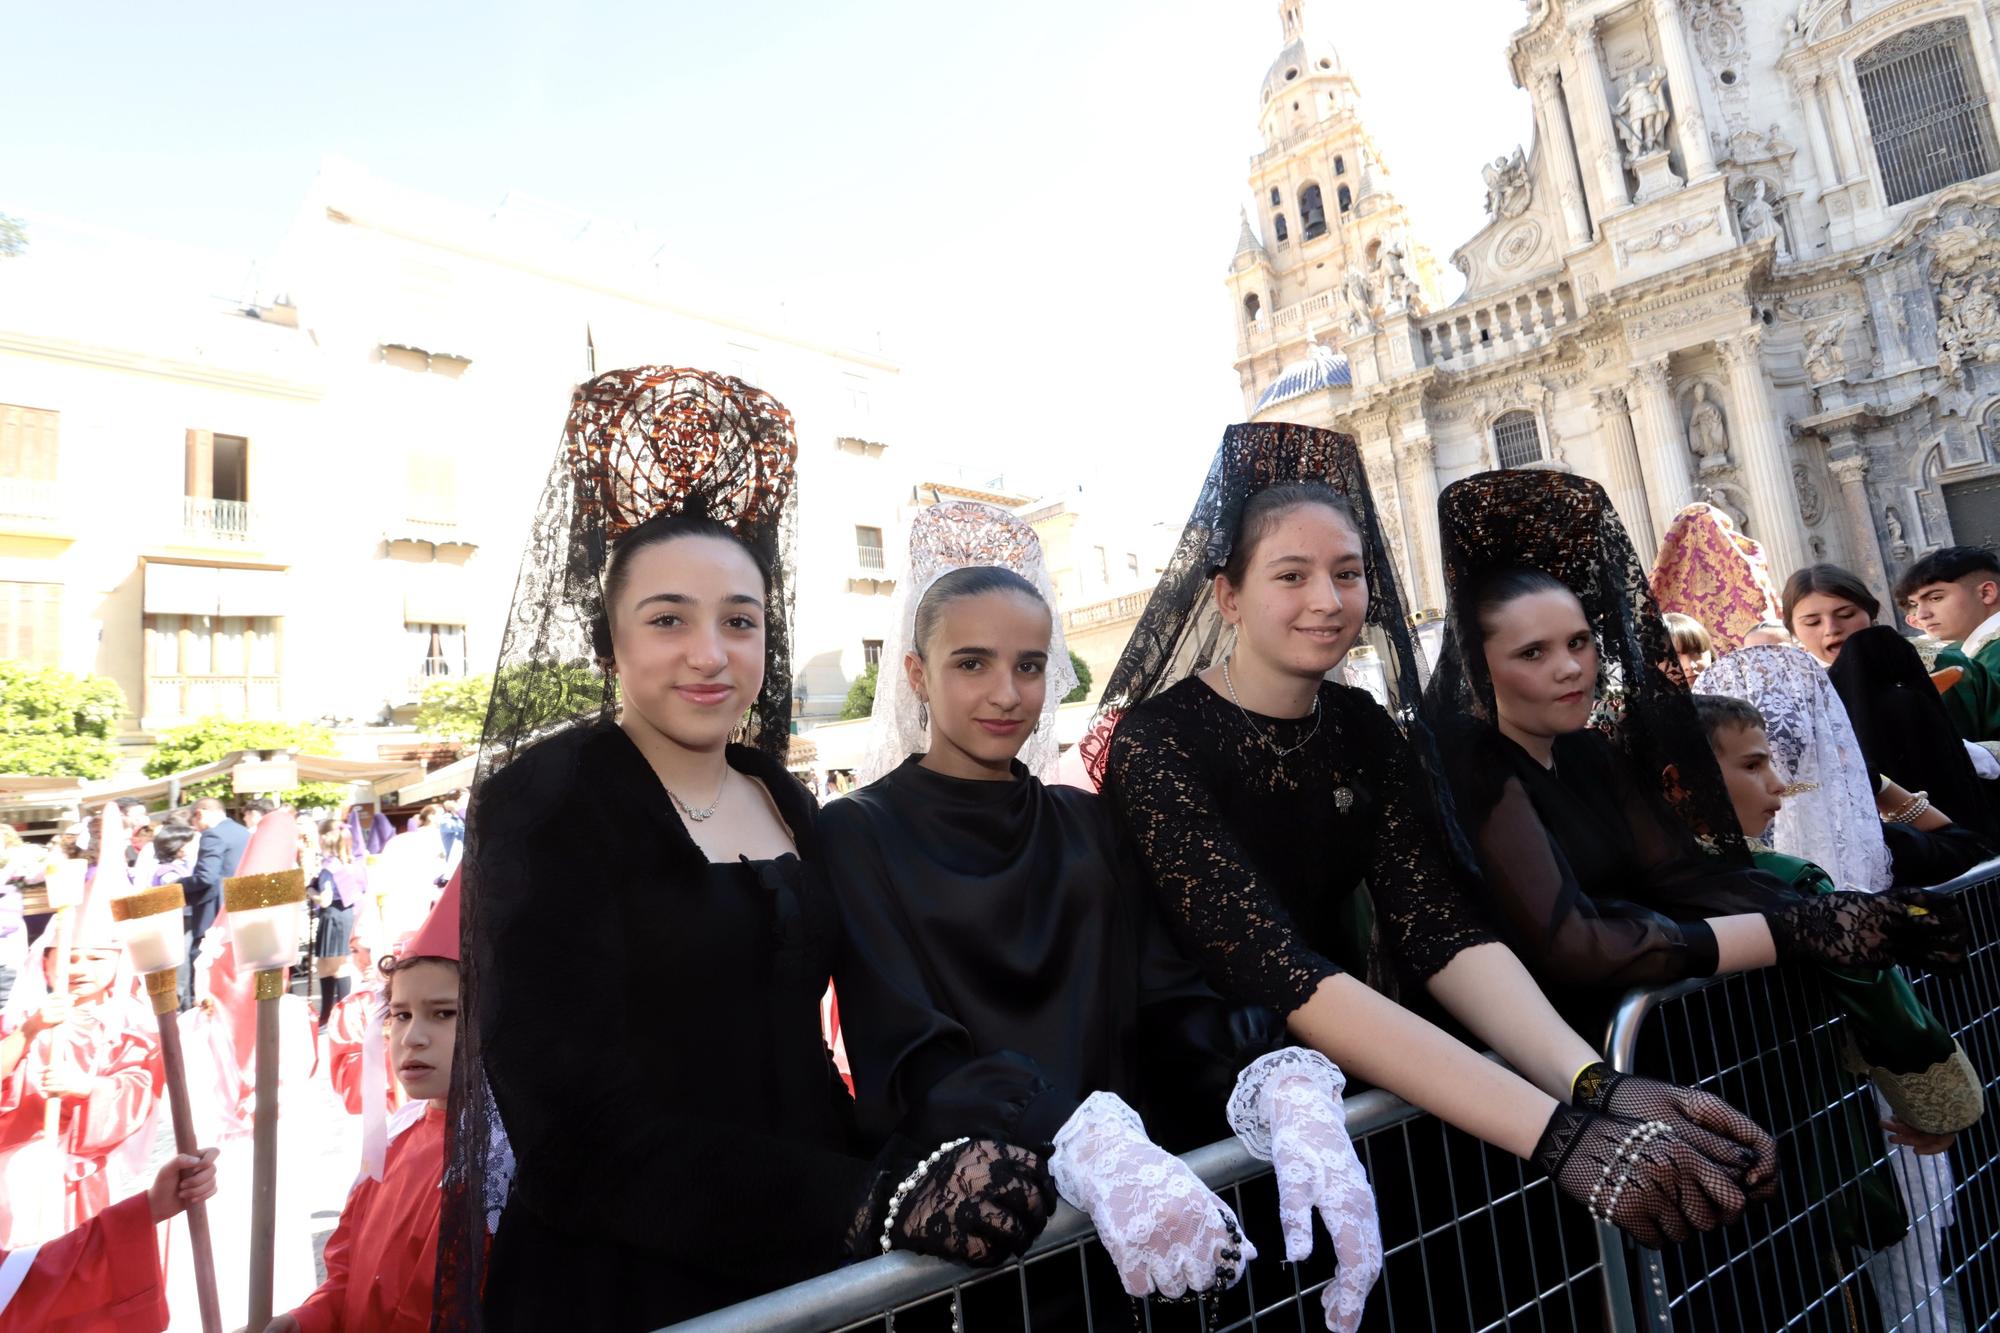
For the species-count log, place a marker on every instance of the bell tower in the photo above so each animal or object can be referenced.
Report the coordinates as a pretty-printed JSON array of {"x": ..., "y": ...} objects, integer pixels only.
[{"x": 1324, "y": 244}]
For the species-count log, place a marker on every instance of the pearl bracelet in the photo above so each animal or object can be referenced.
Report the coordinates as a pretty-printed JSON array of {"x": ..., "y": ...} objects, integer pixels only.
[
  {"x": 1617, "y": 1173},
  {"x": 910, "y": 1182},
  {"x": 1912, "y": 811}
]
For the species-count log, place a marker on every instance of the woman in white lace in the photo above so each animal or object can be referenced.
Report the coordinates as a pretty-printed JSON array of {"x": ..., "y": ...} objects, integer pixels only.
[{"x": 1006, "y": 974}]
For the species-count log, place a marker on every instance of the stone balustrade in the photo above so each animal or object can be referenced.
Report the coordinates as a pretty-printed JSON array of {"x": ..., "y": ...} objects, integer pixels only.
[{"x": 1461, "y": 337}]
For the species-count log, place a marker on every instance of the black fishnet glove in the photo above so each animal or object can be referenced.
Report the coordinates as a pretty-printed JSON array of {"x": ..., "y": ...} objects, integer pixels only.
[
  {"x": 1849, "y": 929},
  {"x": 1706, "y": 1123},
  {"x": 1637, "y": 1175},
  {"x": 981, "y": 1203}
]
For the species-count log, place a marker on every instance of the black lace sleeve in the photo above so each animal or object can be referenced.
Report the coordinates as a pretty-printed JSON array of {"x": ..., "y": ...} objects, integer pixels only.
[
  {"x": 1231, "y": 922},
  {"x": 1419, "y": 896}
]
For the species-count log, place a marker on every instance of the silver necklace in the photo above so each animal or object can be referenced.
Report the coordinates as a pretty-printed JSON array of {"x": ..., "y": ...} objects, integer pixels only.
[
  {"x": 706, "y": 813},
  {"x": 1258, "y": 731}
]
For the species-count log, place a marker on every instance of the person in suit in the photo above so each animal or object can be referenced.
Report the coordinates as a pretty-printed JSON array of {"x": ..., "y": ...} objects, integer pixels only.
[{"x": 222, "y": 840}]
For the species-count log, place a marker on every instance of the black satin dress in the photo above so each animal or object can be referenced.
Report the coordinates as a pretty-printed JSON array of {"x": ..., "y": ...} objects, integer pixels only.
[{"x": 1003, "y": 961}]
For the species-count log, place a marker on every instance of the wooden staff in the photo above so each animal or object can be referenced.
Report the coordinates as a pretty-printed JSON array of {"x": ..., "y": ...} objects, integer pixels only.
[
  {"x": 264, "y": 927},
  {"x": 151, "y": 920}
]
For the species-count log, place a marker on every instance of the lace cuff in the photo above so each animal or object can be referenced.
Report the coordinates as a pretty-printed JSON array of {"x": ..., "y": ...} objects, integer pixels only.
[{"x": 1250, "y": 1105}]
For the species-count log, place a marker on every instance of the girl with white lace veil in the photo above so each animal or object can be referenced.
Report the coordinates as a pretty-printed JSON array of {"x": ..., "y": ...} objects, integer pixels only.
[
  {"x": 1006, "y": 975},
  {"x": 945, "y": 537}
]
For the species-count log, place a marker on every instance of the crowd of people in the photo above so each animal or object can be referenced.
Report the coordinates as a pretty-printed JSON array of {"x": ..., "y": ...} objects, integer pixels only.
[{"x": 1298, "y": 859}]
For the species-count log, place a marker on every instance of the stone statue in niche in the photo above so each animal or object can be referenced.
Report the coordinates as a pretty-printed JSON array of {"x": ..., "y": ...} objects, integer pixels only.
[
  {"x": 1708, "y": 435},
  {"x": 1356, "y": 301},
  {"x": 1758, "y": 217},
  {"x": 1721, "y": 499},
  {"x": 1825, "y": 358},
  {"x": 1892, "y": 524},
  {"x": 1508, "y": 189},
  {"x": 1398, "y": 287},
  {"x": 1642, "y": 116}
]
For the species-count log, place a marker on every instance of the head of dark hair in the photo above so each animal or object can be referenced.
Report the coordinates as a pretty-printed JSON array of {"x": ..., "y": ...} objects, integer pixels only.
[
  {"x": 971, "y": 581},
  {"x": 263, "y": 805},
  {"x": 1717, "y": 711},
  {"x": 657, "y": 531},
  {"x": 1485, "y": 595},
  {"x": 169, "y": 841},
  {"x": 1947, "y": 565},
  {"x": 1263, "y": 510},
  {"x": 1831, "y": 580},
  {"x": 393, "y": 964}
]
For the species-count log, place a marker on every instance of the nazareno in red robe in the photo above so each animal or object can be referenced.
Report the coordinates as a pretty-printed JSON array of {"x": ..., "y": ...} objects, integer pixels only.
[
  {"x": 103, "y": 1277},
  {"x": 381, "y": 1261}
]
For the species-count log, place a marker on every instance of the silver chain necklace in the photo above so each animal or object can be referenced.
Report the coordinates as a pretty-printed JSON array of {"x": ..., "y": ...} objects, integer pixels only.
[
  {"x": 698, "y": 816},
  {"x": 1258, "y": 731}
]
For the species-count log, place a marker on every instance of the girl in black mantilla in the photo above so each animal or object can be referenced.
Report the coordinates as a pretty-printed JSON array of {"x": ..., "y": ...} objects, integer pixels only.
[
  {"x": 647, "y": 935},
  {"x": 1605, "y": 878},
  {"x": 1261, "y": 794},
  {"x": 1006, "y": 973}
]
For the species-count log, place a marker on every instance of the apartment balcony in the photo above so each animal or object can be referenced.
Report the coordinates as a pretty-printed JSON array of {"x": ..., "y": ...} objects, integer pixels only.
[
  {"x": 173, "y": 699},
  {"x": 218, "y": 522},
  {"x": 870, "y": 571},
  {"x": 434, "y": 527},
  {"x": 34, "y": 507}
]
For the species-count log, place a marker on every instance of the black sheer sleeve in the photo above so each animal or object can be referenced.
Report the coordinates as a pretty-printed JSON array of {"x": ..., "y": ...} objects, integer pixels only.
[
  {"x": 1418, "y": 895},
  {"x": 596, "y": 1158},
  {"x": 1566, "y": 936},
  {"x": 917, "y": 1070},
  {"x": 1243, "y": 938}
]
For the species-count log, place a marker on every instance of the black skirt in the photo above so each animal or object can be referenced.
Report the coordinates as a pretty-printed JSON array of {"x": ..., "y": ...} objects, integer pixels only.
[{"x": 336, "y": 928}]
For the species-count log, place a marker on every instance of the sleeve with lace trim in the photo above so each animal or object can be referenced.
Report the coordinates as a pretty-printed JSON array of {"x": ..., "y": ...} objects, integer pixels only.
[
  {"x": 1425, "y": 912},
  {"x": 1245, "y": 941}
]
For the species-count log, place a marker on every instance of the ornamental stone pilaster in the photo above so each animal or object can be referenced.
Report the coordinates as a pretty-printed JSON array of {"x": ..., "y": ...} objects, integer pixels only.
[
  {"x": 1849, "y": 467},
  {"x": 1569, "y": 186},
  {"x": 1625, "y": 477},
  {"x": 1762, "y": 455},
  {"x": 1696, "y": 156},
  {"x": 1591, "y": 94},
  {"x": 1663, "y": 459}
]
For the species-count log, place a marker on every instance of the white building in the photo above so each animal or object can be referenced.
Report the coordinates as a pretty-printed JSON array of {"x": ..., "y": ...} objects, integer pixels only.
[
  {"x": 306, "y": 503},
  {"x": 1749, "y": 257}
]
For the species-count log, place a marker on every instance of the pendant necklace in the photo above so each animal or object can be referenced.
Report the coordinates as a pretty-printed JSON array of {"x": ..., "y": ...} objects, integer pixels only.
[
  {"x": 704, "y": 813},
  {"x": 1343, "y": 796}
]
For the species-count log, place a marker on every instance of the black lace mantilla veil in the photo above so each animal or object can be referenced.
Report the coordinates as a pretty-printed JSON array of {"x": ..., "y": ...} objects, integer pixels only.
[
  {"x": 1565, "y": 526},
  {"x": 1181, "y": 631},
  {"x": 637, "y": 443}
]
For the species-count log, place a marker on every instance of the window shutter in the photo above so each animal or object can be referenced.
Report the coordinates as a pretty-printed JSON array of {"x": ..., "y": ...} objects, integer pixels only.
[{"x": 200, "y": 465}]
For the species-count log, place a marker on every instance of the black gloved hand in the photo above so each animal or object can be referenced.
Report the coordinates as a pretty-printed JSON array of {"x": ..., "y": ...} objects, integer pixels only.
[
  {"x": 980, "y": 1203},
  {"x": 1706, "y": 1123},
  {"x": 1637, "y": 1175},
  {"x": 1850, "y": 929}
]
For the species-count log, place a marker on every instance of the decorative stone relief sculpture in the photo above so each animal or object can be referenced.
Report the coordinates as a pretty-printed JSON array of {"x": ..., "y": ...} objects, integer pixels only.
[
  {"x": 1357, "y": 302},
  {"x": 1724, "y": 500},
  {"x": 1758, "y": 216},
  {"x": 1642, "y": 116},
  {"x": 1718, "y": 29},
  {"x": 1810, "y": 508},
  {"x": 1508, "y": 189},
  {"x": 1708, "y": 436},
  {"x": 1963, "y": 271},
  {"x": 1892, "y": 524},
  {"x": 1398, "y": 287},
  {"x": 1826, "y": 360}
]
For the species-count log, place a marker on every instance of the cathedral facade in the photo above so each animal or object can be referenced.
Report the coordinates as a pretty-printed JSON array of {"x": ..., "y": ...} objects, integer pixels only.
[{"x": 1751, "y": 257}]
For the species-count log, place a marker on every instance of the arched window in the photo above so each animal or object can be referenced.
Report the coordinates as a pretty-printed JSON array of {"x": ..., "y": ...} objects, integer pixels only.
[
  {"x": 1339, "y": 165},
  {"x": 1346, "y": 199},
  {"x": 1312, "y": 213},
  {"x": 1276, "y": 197},
  {"x": 1251, "y": 305},
  {"x": 1516, "y": 439},
  {"x": 1278, "y": 226},
  {"x": 1927, "y": 111}
]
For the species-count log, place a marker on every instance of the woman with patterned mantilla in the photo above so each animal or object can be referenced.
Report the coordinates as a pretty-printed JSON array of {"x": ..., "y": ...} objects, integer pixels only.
[{"x": 1260, "y": 794}]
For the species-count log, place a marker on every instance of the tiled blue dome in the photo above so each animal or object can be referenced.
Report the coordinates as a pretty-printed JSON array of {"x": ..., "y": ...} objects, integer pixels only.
[{"x": 1321, "y": 368}]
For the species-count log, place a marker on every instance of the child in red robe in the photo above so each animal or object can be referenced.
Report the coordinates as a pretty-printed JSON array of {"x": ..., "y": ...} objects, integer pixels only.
[
  {"x": 103, "y": 1277},
  {"x": 381, "y": 1261}
]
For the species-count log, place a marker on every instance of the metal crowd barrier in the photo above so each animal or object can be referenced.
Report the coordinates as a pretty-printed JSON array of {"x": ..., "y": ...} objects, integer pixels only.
[{"x": 1474, "y": 1241}]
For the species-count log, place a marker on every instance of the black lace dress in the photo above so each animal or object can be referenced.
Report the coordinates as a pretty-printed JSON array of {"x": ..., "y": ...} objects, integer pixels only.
[
  {"x": 651, "y": 1033},
  {"x": 1260, "y": 861}
]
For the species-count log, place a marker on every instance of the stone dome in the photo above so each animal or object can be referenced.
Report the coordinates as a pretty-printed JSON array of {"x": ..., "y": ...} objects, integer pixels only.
[{"x": 1301, "y": 59}]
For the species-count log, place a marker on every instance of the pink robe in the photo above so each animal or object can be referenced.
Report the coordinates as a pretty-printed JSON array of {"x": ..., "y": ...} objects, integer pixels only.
[
  {"x": 102, "y": 1277},
  {"x": 101, "y": 1042}
]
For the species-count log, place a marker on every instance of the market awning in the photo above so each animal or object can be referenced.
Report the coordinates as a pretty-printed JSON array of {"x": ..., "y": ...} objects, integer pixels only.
[
  {"x": 380, "y": 774},
  {"x": 443, "y": 782}
]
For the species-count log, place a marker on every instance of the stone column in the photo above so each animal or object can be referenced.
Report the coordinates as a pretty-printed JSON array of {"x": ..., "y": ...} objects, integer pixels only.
[
  {"x": 1624, "y": 477},
  {"x": 1696, "y": 155},
  {"x": 1762, "y": 456},
  {"x": 1806, "y": 89},
  {"x": 1591, "y": 95},
  {"x": 1418, "y": 454},
  {"x": 1569, "y": 188},
  {"x": 1857, "y": 517},
  {"x": 1664, "y": 460},
  {"x": 1834, "y": 108}
]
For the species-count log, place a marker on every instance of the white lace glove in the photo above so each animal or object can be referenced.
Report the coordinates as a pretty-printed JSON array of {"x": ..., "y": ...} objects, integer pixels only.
[
  {"x": 1983, "y": 762},
  {"x": 1287, "y": 1110},
  {"x": 1165, "y": 1231}
]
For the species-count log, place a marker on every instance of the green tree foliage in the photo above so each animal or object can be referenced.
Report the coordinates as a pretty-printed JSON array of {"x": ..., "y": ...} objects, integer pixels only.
[
  {"x": 1082, "y": 669},
  {"x": 211, "y": 738},
  {"x": 861, "y": 694},
  {"x": 55, "y": 724},
  {"x": 454, "y": 709}
]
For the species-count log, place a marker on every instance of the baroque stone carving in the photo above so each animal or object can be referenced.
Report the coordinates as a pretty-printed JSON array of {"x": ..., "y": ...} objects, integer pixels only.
[
  {"x": 1810, "y": 507},
  {"x": 1892, "y": 524},
  {"x": 1825, "y": 358},
  {"x": 1642, "y": 116},
  {"x": 1718, "y": 29},
  {"x": 1668, "y": 238},
  {"x": 1508, "y": 189},
  {"x": 1963, "y": 272},
  {"x": 1757, "y": 216},
  {"x": 1724, "y": 498},
  {"x": 1518, "y": 245},
  {"x": 1708, "y": 435}
]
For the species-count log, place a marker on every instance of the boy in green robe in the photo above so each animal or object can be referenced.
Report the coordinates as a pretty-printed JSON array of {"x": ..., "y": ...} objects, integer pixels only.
[{"x": 1953, "y": 595}]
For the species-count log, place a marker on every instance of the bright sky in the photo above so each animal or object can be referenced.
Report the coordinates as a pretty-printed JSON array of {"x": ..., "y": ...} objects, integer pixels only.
[{"x": 1033, "y": 203}]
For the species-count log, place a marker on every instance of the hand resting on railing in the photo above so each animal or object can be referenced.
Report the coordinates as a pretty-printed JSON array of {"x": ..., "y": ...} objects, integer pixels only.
[
  {"x": 976, "y": 1201},
  {"x": 1638, "y": 1175},
  {"x": 1915, "y": 927},
  {"x": 1706, "y": 1123}
]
